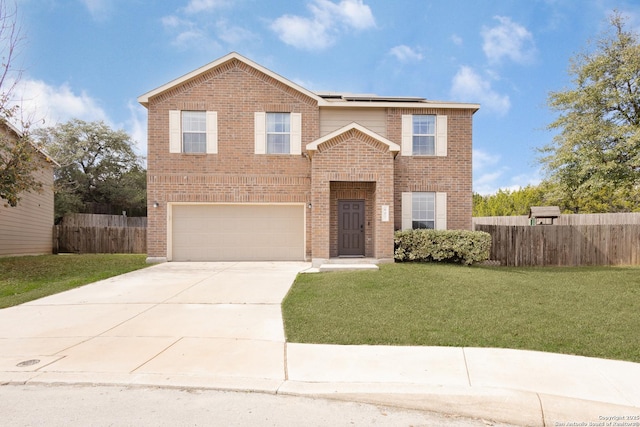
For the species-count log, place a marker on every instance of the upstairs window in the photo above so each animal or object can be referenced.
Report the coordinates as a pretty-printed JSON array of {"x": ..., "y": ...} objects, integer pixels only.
[
  {"x": 278, "y": 133},
  {"x": 194, "y": 132},
  {"x": 424, "y": 135}
]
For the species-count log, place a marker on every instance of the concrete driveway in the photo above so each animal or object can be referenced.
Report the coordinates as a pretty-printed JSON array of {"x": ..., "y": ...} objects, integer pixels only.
[
  {"x": 219, "y": 326},
  {"x": 174, "y": 323}
]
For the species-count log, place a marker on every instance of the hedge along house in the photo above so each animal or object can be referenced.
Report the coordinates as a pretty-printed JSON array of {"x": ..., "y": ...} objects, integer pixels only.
[{"x": 244, "y": 164}]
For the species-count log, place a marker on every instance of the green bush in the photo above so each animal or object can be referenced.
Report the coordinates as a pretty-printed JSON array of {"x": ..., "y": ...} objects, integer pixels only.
[{"x": 461, "y": 246}]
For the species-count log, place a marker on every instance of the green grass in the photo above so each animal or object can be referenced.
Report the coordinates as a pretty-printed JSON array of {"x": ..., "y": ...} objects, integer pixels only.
[
  {"x": 27, "y": 278},
  {"x": 592, "y": 311}
]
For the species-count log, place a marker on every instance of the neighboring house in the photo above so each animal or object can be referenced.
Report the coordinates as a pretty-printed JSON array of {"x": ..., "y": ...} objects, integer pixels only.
[
  {"x": 27, "y": 229},
  {"x": 244, "y": 164}
]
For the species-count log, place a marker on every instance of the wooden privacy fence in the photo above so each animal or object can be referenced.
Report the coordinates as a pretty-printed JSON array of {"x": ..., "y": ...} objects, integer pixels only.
[
  {"x": 565, "y": 219},
  {"x": 88, "y": 233},
  {"x": 564, "y": 245}
]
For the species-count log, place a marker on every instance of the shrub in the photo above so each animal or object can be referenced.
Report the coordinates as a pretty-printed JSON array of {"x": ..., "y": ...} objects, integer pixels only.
[{"x": 461, "y": 246}]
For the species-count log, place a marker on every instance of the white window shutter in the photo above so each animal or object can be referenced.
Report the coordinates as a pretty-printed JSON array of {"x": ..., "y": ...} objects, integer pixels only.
[
  {"x": 212, "y": 132},
  {"x": 441, "y": 211},
  {"x": 295, "y": 139},
  {"x": 175, "y": 133},
  {"x": 441, "y": 136},
  {"x": 260, "y": 132},
  {"x": 407, "y": 135},
  {"x": 407, "y": 211}
]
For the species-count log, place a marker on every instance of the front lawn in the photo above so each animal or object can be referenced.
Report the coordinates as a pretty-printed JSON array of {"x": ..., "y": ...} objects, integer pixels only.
[
  {"x": 590, "y": 311},
  {"x": 27, "y": 278}
]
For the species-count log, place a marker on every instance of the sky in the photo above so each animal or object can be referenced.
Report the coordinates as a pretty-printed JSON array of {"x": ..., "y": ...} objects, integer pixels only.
[{"x": 91, "y": 59}]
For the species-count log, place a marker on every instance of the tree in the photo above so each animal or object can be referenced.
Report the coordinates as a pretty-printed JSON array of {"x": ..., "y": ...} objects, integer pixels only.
[
  {"x": 594, "y": 161},
  {"x": 98, "y": 167},
  {"x": 507, "y": 202},
  {"x": 19, "y": 159}
]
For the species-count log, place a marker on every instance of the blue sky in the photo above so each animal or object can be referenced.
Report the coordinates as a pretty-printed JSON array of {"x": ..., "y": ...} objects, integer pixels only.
[{"x": 91, "y": 59}]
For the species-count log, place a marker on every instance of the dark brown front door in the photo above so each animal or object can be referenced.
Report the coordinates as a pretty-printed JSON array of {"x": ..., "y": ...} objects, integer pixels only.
[{"x": 351, "y": 227}]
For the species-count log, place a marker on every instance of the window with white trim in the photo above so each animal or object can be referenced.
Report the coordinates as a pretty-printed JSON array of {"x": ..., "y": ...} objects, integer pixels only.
[
  {"x": 424, "y": 135},
  {"x": 278, "y": 133},
  {"x": 194, "y": 132},
  {"x": 423, "y": 210}
]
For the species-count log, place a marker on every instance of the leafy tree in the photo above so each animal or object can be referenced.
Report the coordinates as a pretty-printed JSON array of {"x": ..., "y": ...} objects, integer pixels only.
[
  {"x": 19, "y": 159},
  {"x": 507, "y": 202},
  {"x": 594, "y": 161},
  {"x": 98, "y": 167}
]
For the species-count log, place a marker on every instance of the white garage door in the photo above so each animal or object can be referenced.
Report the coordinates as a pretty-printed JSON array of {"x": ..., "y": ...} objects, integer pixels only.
[{"x": 237, "y": 232}]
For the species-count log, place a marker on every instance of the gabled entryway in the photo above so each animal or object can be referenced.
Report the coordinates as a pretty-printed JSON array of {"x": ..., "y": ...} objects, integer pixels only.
[{"x": 352, "y": 190}]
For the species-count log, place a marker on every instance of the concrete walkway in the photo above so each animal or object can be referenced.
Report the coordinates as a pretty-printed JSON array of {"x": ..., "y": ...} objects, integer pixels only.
[{"x": 219, "y": 326}]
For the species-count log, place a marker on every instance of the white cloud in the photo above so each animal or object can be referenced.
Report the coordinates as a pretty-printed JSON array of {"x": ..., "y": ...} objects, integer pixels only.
[
  {"x": 508, "y": 40},
  {"x": 468, "y": 86},
  {"x": 136, "y": 126},
  {"x": 457, "y": 40},
  {"x": 42, "y": 102},
  {"x": 233, "y": 34},
  {"x": 405, "y": 54},
  {"x": 187, "y": 34},
  {"x": 44, "y": 105},
  {"x": 99, "y": 9},
  {"x": 327, "y": 22},
  {"x": 197, "y": 6}
]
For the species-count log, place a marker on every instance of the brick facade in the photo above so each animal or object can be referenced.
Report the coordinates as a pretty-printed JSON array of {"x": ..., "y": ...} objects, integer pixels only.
[{"x": 352, "y": 165}]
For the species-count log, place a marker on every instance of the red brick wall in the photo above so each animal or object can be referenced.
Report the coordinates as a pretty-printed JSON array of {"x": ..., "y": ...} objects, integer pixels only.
[
  {"x": 451, "y": 174},
  {"x": 235, "y": 174},
  {"x": 352, "y": 166}
]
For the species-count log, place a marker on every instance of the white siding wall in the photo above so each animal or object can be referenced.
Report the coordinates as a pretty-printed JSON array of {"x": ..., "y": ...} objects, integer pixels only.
[
  {"x": 27, "y": 229},
  {"x": 372, "y": 118}
]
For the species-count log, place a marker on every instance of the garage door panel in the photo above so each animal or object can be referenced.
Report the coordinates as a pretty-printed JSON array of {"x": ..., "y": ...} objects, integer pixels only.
[{"x": 237, "y": 232}]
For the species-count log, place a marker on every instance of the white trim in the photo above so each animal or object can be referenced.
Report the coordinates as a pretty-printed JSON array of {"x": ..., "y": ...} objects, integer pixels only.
[
  {"x": 295, "y": 134},
  {"x": 260, "y": 132},
  {"x": 441, "y": 211},
  {"x": 144, "y": 99},
  {"x": 212, "y": 132},
  {"x": 393, "y": 147},
  {"x": 407, "y": 135},
  {"x": 170, "y": 206},
  {"x": 407, "y": 211},
  {"x": 175, "y": 131},
  {"x": 441, "y": 136}
]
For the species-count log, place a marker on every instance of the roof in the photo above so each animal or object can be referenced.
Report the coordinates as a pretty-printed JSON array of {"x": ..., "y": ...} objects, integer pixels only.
[
  {"x": 20, "y": 134},
  {"x": 544, "y": 212},
  {"x": 324, "y": 99},
  {"x": 313, "y": 146}
]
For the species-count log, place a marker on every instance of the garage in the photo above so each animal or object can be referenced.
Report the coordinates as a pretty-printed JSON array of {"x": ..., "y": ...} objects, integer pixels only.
[{"x": 237, "y": 232}]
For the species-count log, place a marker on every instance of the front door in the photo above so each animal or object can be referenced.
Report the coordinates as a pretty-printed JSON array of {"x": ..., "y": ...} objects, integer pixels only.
[{"x": 350, "y": 227}]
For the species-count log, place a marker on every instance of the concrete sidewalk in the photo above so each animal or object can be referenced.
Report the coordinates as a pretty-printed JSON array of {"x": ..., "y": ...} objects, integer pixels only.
[{"x": 219, "y": 326}]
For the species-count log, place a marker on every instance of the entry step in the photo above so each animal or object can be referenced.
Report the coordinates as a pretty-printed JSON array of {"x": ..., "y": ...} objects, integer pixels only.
[{"x": 347, "y": 267}]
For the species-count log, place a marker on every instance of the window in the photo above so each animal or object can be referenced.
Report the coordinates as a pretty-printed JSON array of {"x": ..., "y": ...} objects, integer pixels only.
[
  {"x": 423, "y": 210},
  {"x": 194, "y": 132},
  {"x": 424, "y": 135},
  {"x": 278, "y": 133}
]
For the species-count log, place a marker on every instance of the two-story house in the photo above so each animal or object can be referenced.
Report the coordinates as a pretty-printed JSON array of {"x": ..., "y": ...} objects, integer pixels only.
[{"x": 244, "y": 164}]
